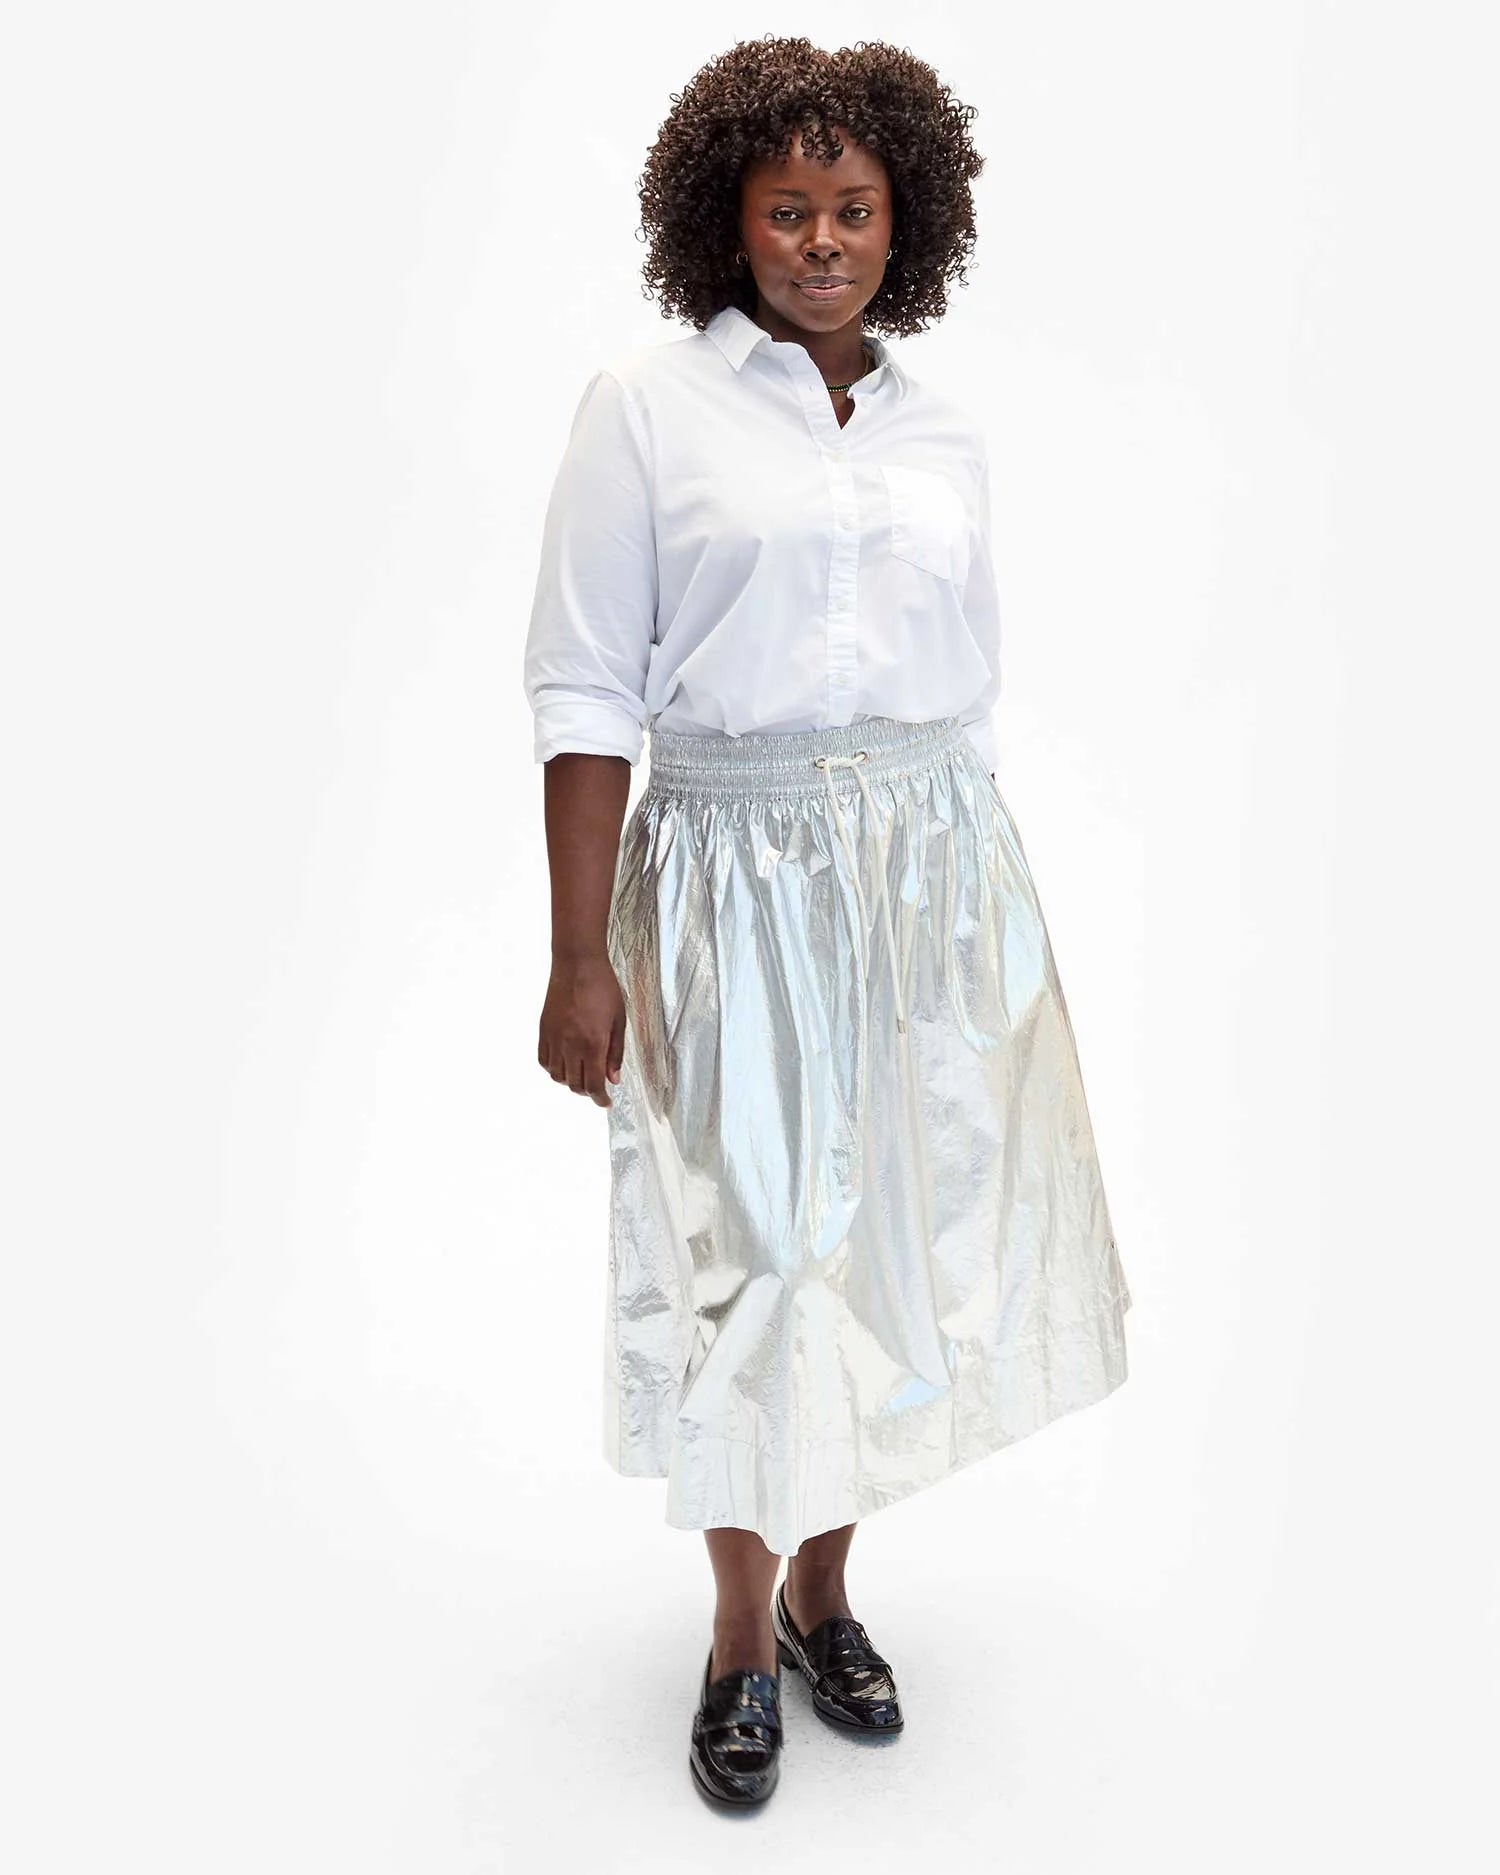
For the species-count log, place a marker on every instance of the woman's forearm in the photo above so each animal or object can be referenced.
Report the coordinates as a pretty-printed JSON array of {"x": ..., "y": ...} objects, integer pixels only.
[{"x": 584, "y": 799}]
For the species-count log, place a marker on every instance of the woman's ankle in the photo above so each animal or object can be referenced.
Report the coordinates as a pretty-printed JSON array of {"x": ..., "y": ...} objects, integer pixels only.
[{"x": 744, "y": 1639}]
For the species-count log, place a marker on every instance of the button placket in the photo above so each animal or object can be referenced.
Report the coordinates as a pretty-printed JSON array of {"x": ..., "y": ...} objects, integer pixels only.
[
  {"x": 843, "y": 588},
  {"x": 843, "y": 559}
]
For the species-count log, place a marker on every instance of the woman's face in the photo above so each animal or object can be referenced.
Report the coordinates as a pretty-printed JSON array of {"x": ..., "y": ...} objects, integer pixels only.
[{"x": 802, "y": 220}]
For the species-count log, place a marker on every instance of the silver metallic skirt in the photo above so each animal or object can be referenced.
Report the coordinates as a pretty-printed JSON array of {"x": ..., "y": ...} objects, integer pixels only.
[{"x": 858, "y": 1234}]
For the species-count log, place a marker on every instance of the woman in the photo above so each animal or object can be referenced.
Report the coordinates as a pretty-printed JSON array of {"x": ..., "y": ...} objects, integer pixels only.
[{"x": 858, "y": 1235}]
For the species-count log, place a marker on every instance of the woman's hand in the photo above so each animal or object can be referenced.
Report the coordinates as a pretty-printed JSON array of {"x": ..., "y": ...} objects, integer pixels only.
[{"x": 581, "y": 1041}]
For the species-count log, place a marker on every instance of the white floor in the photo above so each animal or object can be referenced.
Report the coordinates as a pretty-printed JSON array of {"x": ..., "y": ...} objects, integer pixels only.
[{"x": 1109, "y": 1654}]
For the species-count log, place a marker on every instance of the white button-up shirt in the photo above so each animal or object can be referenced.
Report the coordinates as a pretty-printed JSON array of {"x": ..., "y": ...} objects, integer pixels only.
[{"x": 718, "y": 553}]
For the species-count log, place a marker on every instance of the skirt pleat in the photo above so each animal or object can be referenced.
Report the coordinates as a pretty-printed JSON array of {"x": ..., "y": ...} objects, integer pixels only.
[{"x": 847, "y": 1256}]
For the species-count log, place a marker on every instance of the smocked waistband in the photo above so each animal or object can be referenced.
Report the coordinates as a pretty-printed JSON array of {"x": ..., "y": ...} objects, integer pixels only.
[{"x": 784, "y": 761}]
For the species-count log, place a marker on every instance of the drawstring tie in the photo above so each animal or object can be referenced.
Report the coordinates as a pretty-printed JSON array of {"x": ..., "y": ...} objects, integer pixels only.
[{"x": 828, "y": 763}]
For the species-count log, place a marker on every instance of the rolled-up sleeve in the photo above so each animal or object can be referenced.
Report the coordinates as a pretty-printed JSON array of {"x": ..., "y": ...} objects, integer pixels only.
[
  {"x": 593, "y": 613},
  {"x": 981, "y": 604}
]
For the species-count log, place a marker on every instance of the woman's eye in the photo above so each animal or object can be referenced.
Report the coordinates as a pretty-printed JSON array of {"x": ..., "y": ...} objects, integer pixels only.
[{"x": 854, "y": 209}]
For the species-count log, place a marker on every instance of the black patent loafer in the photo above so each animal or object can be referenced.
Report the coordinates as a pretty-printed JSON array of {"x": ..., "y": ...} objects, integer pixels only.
[
  {"x": 852, "y": 1684},
  {"x": 736, "y": 1744}
]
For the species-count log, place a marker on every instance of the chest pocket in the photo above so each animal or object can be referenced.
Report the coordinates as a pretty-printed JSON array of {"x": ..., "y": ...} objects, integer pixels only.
[{"x": 929, "y": 523}]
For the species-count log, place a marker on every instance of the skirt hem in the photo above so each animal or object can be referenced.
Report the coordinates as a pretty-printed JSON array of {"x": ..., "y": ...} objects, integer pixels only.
[{"x": 867, "y": 1499}]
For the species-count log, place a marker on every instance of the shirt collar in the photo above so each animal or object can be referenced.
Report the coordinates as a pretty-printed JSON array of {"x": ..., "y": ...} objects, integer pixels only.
[{"x": 736, "y": 334}]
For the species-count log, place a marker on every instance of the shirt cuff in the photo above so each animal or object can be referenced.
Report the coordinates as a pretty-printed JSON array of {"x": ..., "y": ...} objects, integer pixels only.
[
  {"x": 586, "y": 726},
  {"x": 982, "y": 735}
]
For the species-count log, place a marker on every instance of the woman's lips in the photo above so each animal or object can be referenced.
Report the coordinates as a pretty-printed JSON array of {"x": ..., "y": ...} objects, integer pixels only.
[{"x": 823, "y": 289}]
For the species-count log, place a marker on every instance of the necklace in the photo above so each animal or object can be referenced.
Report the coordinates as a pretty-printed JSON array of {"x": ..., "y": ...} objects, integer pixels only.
[{"x": 869, "y": 367}]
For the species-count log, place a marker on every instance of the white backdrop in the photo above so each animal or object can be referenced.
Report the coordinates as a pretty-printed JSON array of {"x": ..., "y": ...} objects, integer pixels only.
[{"x": 314, "y": 1562}]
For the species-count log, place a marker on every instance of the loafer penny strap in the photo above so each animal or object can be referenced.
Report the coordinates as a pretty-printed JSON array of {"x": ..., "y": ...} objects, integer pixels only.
[
  {"x": 840, "y": 1644},
  {"x": 749, "y": 1699},
  {"x": 845, "y": 1663}
]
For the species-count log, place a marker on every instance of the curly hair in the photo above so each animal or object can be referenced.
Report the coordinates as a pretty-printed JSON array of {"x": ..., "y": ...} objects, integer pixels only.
[{"x": 748, "y": 104}]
